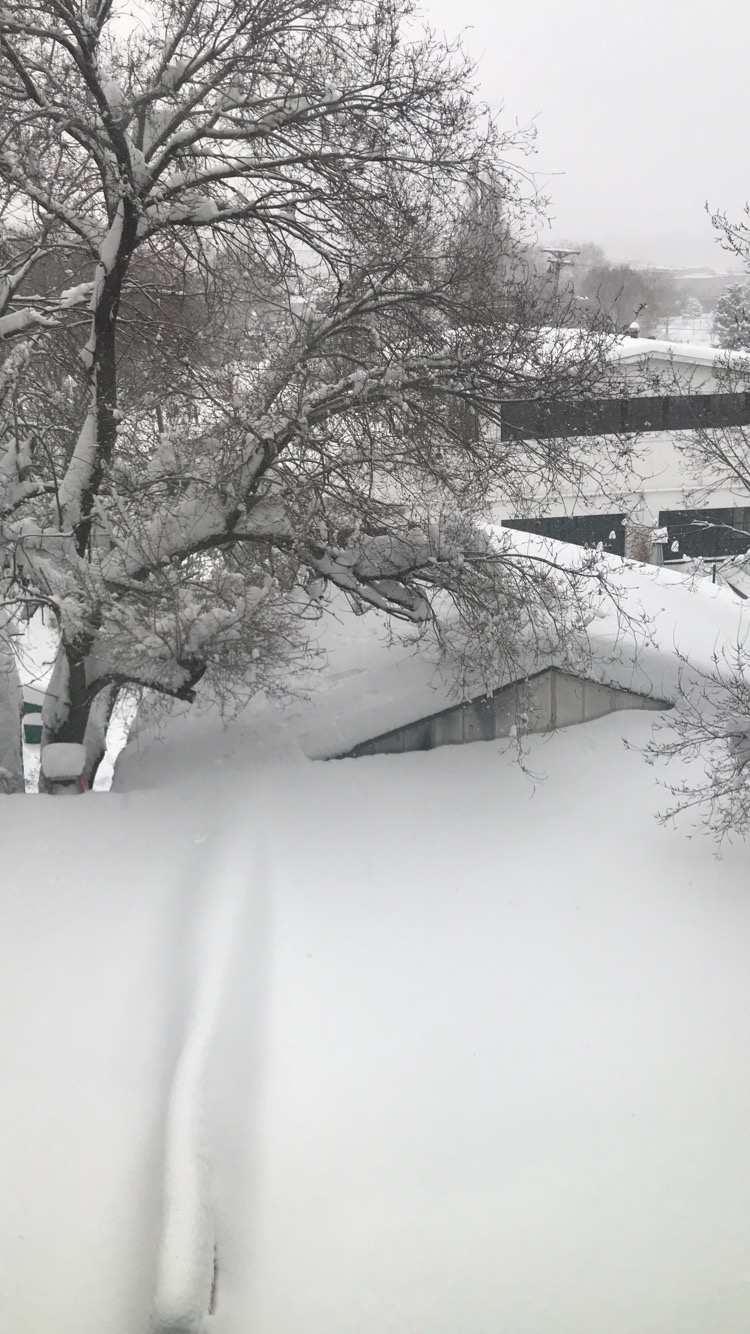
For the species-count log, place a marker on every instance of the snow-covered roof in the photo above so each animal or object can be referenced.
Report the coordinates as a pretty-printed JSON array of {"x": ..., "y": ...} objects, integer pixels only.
[
  {"x": 630, "y": 350},
  {"x": 370, "y": 686}
]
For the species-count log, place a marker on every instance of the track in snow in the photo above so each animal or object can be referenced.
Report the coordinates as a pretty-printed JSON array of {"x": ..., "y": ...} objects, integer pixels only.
[{"x": 186, "y": 1288}]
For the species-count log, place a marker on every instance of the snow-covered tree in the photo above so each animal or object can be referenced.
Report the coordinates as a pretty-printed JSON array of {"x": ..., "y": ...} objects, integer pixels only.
[
  {"x": 692, "y": 309},
  {"x": 710, "y": 730},
  {"x": 731, "y": 324},
  {"x": 246, "y": 348},
  {"x": 711, "y": 723}
]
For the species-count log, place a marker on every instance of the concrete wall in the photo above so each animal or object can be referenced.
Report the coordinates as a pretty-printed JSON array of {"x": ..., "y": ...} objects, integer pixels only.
[
  {"x": 671, "y": 376},
  {"x": 658, "y": 481},
  {"x": 549, "y": 699}
]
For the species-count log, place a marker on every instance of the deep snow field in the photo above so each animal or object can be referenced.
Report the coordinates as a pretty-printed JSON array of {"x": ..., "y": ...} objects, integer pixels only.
[{"x": 413, "y": 1044}]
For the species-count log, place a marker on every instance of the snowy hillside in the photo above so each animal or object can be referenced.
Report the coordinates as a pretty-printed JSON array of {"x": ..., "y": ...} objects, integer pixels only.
[{"x": 414, "y": 1043}]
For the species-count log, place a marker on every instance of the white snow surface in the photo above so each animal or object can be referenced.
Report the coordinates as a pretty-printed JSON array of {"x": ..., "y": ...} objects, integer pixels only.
[{"x": 413, "y": 1044}]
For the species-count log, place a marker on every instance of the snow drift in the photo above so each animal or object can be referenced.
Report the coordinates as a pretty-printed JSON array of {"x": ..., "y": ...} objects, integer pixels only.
[{"x": 428, "y": 1042}]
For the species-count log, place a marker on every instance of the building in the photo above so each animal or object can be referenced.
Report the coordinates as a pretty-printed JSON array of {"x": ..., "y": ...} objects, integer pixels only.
[
  {"x": 649, "y": 364},
  {"x": 671, "y": 389}
]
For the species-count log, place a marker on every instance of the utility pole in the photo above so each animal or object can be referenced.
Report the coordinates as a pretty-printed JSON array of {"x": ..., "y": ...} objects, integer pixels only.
[{"x": 558, "y": 258}]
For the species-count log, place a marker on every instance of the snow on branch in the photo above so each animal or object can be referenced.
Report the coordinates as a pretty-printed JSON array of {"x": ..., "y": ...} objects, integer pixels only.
[{"x": 17, "y": 322}]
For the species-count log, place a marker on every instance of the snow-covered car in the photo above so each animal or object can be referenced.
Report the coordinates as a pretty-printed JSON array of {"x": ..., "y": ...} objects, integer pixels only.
[{"x": 63, "y": 764}]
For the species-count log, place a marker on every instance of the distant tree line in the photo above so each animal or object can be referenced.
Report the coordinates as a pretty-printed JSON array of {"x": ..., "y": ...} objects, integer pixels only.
[{"x": 616, "y": 294}]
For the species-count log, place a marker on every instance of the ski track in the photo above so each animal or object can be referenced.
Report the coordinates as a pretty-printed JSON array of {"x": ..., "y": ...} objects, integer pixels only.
[{"x": 186, "y": 1266}]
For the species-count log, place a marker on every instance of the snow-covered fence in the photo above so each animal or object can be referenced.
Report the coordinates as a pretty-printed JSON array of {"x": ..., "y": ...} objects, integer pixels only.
[{"x": 548, "y": 699}]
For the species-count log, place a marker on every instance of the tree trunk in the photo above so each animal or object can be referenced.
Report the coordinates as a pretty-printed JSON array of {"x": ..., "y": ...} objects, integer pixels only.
[
  {"x": 75, "y": 711},
  {"x": 95, "y": 737},
  {"x": 11, "y": 708}
]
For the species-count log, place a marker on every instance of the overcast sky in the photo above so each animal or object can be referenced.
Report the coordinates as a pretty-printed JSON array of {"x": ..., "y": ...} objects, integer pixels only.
[{"x": 642, "y": 110}]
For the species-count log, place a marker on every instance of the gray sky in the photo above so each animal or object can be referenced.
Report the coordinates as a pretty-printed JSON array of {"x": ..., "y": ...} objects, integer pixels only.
[{"x": 642, "y": 110}]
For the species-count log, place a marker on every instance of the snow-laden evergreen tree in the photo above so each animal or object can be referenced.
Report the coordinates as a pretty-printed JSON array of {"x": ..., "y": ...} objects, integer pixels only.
[
  {"x": 692, "y": 309},
  {"x": 256, "y": 337},
  {"x": 731, "y": 324}
]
